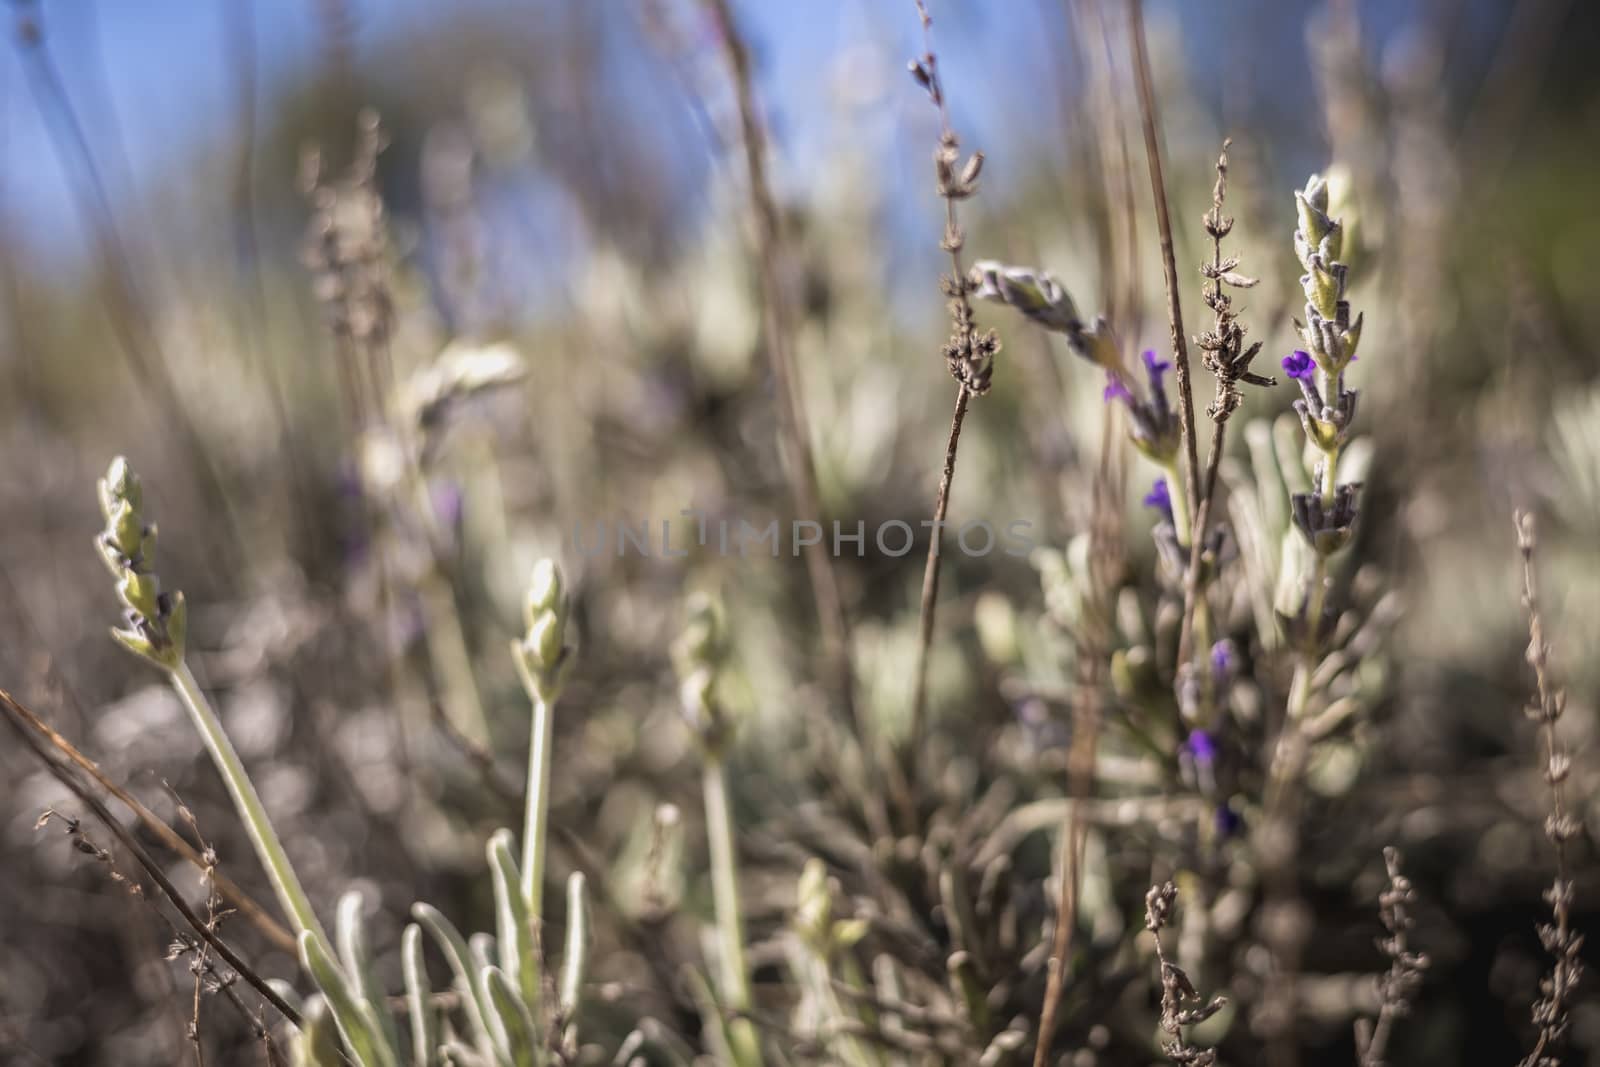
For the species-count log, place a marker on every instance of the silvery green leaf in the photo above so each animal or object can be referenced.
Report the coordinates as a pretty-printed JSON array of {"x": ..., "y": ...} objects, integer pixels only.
[
  {"x": 459, "y": 956},
  {"x": 350, "y": 932},
  {"x": 521, "y": 1034},
  {"x": 513, "y": 924},
  {"x": 424, "y": 1029},
  {"x": 317, "y": 1043},
  {"x": 575, "y": 964},
  {"x": 356, "y": 1027}
]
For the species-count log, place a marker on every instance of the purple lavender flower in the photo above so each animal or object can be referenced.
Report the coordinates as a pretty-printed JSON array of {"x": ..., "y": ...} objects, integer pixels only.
[
  {"x": 448, "y": 503},
  {"x": 1223, "y": 660},
  {"x": 1153, "y": 428},
  {"x": 1201, "y": 746},
  {"x": 1298, "y": 364},
  {"x": 1154, "y": 366},
  {"x": 1160, "y": 498},
  {"x": 1228, "y": 821}
]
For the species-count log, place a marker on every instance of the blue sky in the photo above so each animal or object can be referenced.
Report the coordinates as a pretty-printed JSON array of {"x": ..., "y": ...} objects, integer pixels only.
[{"x": 161, "y": 70}]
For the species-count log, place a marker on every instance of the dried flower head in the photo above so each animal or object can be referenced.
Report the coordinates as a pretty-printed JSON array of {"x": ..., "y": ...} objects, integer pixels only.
[{"x": 1176, "y": 988}]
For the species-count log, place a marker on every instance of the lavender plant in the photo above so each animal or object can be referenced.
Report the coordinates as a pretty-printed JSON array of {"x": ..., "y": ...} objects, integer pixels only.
[
  {"x": 700, "y": 654},
  {"x": 1551, "y": 1012},
  {"x": 155, "y": 628},
  {"x": 1325, "y": 514},
  {"x": 497, "y": 978},
  {"x": 1397, "y": 987}
]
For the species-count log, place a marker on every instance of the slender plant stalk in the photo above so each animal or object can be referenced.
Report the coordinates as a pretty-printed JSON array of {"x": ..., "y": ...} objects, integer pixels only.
[
  {"x": 930, "y": 571},
  {"x": 536, "y": 817},
  {"x": 1106, "y": 558},
  {"x": 1158, "y": 190},
  {"x": 1280, "y": 834},
  {"x": 735, "y": 978},
  {"x": 127, "y": 313},
  {"x": 291, "y": 896},
  {"x": 1552, "y": 1010},
  {"x": 792, "y": 421},
  {"x": 541, "y": 657},
  {"x": 18, "y": 716},
  {"x": 450, "y": 657},
  {"x": 969, "y": 355},
  {"x": 236, "y": 897},
  {"x": 1228, "y": 358}
]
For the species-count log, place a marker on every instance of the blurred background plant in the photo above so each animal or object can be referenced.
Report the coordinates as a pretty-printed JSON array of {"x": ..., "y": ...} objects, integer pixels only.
[{"x": 387, "y": 303}]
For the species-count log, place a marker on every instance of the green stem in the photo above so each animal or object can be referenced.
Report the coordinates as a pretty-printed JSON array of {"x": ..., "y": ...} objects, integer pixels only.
[
  {"x": 1330, "y": 476},
  {"x": 1176, "y": 489},
  {"x": 538, "y": 813},
  {"x": 291, "y": 896},
  {"x": 735, "y": 983},
  {"x": 1316, "y": 600},
  {"x": 446, "y": 644},
  {"x": 1202, "y": 658}
]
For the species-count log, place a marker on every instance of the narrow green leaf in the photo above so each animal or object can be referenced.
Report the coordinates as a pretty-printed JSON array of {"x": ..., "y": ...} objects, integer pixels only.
[
  {"x": 350, "y": 931},
  {"x": 514, "y": 926},
  {"x": 459, "y": 957},
  {"x": 424, "y": 1030},
  {"x": 355, "y": 1026},
  {"x": 521, "y": 1033},
  {"x": 575, "y": 963}
]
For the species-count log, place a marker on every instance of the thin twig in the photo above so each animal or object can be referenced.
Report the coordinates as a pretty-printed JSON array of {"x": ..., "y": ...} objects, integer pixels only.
[
  {"x": 65, "y": 776},
  {"x": 236, "y": 897},
  {"x": 1550, "y": 1012},
  {"x": 1105, "y": 560},
  {"x": 1227, "y": 357},
  {"x": 930, "y": 571},
  {"x": 792, "y": 420},
  {"x": 182, "y": 943},
  {"x": 1158, "y": 189},
  {"x": 127, "y": 313},
  {"x": 969, "y": 355},
  {"x": 1398, "y": 986}
]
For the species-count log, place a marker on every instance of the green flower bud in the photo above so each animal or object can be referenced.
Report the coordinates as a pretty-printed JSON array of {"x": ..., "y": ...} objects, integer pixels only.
[
  {"x": 847, "y": 932},
  {"x": 1322, "y": 291},
  {"x": 1313, "y": 222},
  {"x": 813, "y": 916},
  {"x": 1332, "y": 243},
  {"x": 138, "y": 644},
  {"x": 1352, "y": 337},
  {"x": 545, "y": 592},
  {"x": 141, "y": 593},
  {"x": 120, "y": 483},
  {"x": 547, "y": 640},
  {"x": 125, "y": 528},
  {"x": 704, "y": 639},
  {"x": 177, "y": 625}
]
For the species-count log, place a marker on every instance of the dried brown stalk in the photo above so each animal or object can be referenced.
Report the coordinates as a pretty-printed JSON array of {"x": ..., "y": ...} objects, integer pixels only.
[
  {"x": 969, "y": 355},
  {"x": 1550, "y": 1011},
  {"x": 792, "y": 418},
  {"x": 236, "y": 897},
  {"x": 1398, "y": 986},
  {"x": 1228, "y": 359},
  {"x": 1176, "y": 988},
  {"x": 151, "y": 868},
  {"x": 1105, "y": 560},
  {"x": 1152, "y": 147}
]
